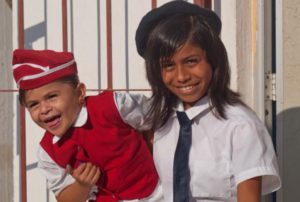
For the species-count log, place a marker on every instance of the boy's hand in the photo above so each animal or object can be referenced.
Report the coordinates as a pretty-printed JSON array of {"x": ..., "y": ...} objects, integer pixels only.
[{"x": 86, "y": 174}]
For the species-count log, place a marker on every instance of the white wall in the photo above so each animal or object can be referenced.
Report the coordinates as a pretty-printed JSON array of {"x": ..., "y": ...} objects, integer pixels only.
[
  {"x": 288, "y": 97},
  {"x": 6, "y": 129}
]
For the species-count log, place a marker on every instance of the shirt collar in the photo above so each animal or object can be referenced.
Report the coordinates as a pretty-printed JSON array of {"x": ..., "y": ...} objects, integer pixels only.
[
  {"x": 79, "y": 122},
  {"x": 200, "y": 106},
  {"x": 82, "y": 117}
]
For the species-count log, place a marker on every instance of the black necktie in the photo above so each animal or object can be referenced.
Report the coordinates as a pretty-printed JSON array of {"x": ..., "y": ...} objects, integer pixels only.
[{"x": 181, "y": 172}]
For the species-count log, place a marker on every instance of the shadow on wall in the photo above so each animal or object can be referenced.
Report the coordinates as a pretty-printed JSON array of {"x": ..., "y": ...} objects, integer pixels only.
[
  {"x": 9, "y": 3},
  {"x": 34, "y": 33},
  {"x": 290, "y": 120}
]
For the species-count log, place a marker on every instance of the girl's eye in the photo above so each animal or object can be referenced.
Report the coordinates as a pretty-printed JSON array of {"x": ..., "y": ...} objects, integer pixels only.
[
  {"x": 192, "y": 61},
  {"x": 167, "y": 65}
]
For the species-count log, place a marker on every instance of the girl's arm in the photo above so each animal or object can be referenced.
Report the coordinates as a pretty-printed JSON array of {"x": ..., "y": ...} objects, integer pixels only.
[
  {"x": 86, "y": 176},
  {"x": 249, "y": 190}
]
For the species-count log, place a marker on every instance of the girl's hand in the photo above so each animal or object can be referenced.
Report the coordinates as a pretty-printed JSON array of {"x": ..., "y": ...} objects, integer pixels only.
[{"x": 86, "y": 174}]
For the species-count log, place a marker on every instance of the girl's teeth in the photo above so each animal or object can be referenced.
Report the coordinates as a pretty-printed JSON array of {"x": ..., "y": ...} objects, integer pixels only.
[{"x": 187, "y": 87}]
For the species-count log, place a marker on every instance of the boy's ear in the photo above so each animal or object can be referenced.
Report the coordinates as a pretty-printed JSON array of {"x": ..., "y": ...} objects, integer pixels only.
[{"x": 81, "y": 92}]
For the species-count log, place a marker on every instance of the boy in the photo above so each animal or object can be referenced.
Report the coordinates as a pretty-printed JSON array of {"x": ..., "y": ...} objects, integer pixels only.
[{"x": 90, "y": 151}]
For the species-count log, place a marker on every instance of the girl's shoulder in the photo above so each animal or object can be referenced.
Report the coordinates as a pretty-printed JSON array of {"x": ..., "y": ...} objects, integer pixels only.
[{"x": 242, "y": 114}]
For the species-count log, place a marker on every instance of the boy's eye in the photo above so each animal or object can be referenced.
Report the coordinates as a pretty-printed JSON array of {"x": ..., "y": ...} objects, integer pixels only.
[
  {"x": 32, "y": 105},
  {"x": 51, "y": 96}
]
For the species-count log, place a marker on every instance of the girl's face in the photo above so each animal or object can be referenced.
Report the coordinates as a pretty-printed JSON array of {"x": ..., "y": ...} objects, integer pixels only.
[
  {"x": 55, "y": 106},
  {"x": 187, "y": 74}
]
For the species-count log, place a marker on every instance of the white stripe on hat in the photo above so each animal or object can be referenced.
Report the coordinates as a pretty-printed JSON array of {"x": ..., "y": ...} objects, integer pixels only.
[
  {"x": 45, "y": 69},
  {"x": 32, "y": 65}
]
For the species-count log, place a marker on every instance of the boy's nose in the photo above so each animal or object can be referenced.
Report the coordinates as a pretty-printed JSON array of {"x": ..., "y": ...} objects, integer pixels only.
[{"x": 45, "y": 108}]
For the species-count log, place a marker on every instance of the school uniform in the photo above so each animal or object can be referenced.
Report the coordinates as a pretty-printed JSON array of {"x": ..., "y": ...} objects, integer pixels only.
[
  {"x": 100, "y": 136},
  {"x": 223, "y": 153}
]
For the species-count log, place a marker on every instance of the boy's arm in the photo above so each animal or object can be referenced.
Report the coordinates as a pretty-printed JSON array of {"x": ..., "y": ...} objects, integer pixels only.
[
  {"x": 133, "y": 109},
  {"x": 62, "y": 180},
  {"x": 86, "y": 176}
]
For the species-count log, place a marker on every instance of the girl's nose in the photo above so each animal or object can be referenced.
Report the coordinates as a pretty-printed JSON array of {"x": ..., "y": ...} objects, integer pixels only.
[{"x": 183, "y": 74}]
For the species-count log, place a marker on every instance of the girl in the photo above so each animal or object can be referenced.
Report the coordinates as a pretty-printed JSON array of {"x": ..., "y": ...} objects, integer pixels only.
[{"x": 226, "y": 153}]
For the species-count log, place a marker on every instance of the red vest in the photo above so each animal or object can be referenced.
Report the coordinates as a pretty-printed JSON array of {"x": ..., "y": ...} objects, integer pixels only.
[{"x": 126, "y": 163}]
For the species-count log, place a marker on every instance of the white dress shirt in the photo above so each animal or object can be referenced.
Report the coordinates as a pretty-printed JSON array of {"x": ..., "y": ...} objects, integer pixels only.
[{"x": 223, "y": 153}]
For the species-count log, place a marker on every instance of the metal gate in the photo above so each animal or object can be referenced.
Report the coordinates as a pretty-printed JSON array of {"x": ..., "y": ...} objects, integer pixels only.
[{"x": 67, "y": 40}]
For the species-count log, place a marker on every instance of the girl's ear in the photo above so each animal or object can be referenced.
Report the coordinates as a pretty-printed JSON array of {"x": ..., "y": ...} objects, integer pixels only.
[{"x": 81, "y": 89}]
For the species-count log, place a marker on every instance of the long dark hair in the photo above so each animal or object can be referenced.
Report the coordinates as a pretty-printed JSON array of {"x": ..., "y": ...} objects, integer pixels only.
[{"x": 168, "y": 36}]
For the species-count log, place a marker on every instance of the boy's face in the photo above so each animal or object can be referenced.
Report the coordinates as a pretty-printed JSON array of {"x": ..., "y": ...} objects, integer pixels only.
[{"x": 55, "y": 106}]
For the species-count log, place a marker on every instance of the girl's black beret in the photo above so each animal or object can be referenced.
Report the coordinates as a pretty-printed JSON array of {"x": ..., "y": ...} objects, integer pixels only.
[{"x": 149, "y": 21}]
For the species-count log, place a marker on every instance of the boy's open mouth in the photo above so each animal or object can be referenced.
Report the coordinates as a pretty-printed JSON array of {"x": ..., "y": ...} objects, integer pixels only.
[{"x": 53, "y": 121}]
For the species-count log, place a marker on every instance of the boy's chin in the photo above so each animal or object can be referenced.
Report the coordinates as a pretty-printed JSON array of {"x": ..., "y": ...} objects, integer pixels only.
[{"x": 57, "y": 134}]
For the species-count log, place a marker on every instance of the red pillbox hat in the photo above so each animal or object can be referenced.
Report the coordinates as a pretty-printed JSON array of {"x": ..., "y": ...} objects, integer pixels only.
[{"x": 34, "y": 68}]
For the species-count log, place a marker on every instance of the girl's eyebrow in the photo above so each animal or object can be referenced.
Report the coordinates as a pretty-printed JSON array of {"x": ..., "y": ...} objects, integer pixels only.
[
  {"x": 165, "y": 60},
  {"x": 191, "y": 57}
]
